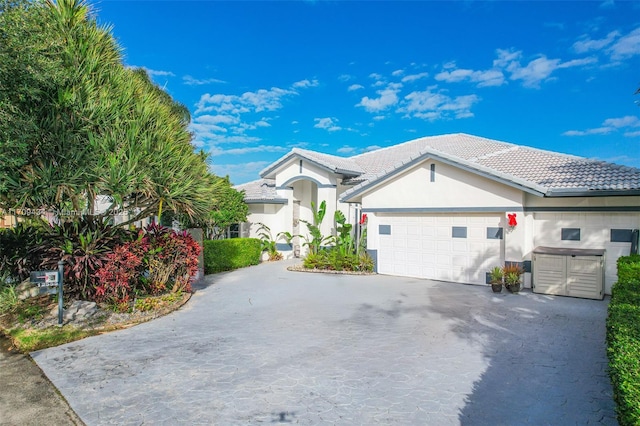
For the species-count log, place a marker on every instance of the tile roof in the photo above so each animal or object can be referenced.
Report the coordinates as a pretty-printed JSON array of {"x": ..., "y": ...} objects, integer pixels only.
[
  {"x": 259, "y": 191},
  {"x": 541, "y": 171},
  {"x": 535, "y": 170}
]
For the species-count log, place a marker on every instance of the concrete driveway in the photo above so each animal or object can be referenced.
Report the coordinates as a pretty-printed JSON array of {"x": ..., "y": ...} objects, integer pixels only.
[{"x": 265, "y": 345}]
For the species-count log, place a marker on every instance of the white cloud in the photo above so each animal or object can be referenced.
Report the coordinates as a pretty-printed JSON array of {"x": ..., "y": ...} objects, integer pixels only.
[
  {"x": 632, "y": 134},
  {"x": 430, "y": 105},
  {"x": 258, "y": 101},
  {"x": 345, "y": 77},
  {"x": 302, "y": 84},
  {"x": 413, "y": 77},
  {"x": 626, "y": 46},
  {"x": 616, "y": 45},
  {"x": 327, "y": 123},
  {"x": 191, "y": 81},
  {"x": 247, "y": 150},
  {"x": 371, "y": 148},
  {"x": 586, "y": 44},
  {"x": 228, "y": 119},
  {"x": 216, "y": 119},
  {"x": 610, "y": 125},
  {"x": 397, "y": 73},
  {"x": 626, "y": 121},
  {"x": 295, "y": 122},
  {"x": 346, "y": 150},
  {"x": 355, "y": 87},
  {"x": 379, "y": 117},
  {"x": 387, "y": 98},
  {"x": 535, "y": 71},
  {"x": 375, "y": 76},
  {"x": 486, "y": 78}
]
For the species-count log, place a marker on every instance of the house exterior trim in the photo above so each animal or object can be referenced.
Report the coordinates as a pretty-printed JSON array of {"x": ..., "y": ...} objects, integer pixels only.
[
  {"x": 289, "y": 181},
  {"x": 273, "y": 201},
  {"x": 443, "y": 210},
  {"x": 583, "y": 209}
]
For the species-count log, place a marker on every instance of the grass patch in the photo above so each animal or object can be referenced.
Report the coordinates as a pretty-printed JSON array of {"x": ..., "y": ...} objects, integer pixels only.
[
  {"x": 146, "y": 304},
  {"x": 29, "y": 340}
]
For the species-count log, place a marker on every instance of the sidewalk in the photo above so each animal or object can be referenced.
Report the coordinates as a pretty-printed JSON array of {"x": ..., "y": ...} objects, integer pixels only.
[{"x": 27, "y": 397}]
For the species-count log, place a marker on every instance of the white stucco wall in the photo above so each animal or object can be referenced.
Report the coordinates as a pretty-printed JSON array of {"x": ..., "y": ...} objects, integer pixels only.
[{"x": 452, "y": 188}]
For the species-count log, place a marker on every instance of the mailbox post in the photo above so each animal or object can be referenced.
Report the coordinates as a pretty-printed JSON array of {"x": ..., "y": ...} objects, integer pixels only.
[
  {"x": 51, "y": 282},
  {"x": 60, "y": 284}
]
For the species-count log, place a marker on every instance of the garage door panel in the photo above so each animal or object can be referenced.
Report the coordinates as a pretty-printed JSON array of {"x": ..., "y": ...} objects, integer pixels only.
[
  {"x": 427, "y": 231},
  {"x": 443, "y": 260},
  {"x": 414, "y": 244},
  {"x": 443, "y": 232},
  {"x": 459, "y": 246},
  {"x": 443, "y": 246}
]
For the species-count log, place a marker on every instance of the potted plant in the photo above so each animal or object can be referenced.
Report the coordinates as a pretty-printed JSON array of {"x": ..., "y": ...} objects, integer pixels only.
[
  {"x": 512, "y": 277},
  {"x": 495, "y": 279}
]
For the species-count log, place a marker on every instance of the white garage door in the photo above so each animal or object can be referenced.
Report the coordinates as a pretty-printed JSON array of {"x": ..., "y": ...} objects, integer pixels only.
[{"x": 448, "y": 247}]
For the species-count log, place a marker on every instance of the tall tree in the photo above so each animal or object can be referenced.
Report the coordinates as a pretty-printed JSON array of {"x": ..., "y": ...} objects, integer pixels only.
[{"x": 76, "y": 124}]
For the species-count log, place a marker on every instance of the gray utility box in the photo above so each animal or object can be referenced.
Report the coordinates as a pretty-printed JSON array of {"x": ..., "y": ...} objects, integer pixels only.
[{"x": 569, "y": 272}]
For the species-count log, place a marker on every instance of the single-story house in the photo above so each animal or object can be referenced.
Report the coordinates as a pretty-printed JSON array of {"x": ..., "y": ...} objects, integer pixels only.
[{"x": 451, "y": 207}]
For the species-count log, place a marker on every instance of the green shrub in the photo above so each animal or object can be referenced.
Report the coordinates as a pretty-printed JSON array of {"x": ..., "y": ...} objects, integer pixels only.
[
  {"x": 623, "y": 340},
  {"x": 8, "y": 295},
  {"x": 226, "y": 255},
  {"x": 334, "y": 259}
]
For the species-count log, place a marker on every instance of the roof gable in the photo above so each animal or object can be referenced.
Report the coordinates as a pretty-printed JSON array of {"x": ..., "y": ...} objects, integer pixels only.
[{"x": 331, "y": 163}]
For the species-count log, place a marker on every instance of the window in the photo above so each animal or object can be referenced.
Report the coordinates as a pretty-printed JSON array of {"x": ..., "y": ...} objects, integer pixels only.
[
  {"x": 433, "y": 173},
  {"x": 621, "y": 235},
  {"x": 570, "y": 234},
  {"x": 384, "y": 229},
  {"x": 494, "y": 233},
  {"x": 300, "y": 166},
  {"x": 234, "y": 231},
  {"x": 459, "y": 232}
]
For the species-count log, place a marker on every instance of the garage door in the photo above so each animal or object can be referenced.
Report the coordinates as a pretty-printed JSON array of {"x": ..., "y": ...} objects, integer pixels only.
[{"x": 448, "y": 247}]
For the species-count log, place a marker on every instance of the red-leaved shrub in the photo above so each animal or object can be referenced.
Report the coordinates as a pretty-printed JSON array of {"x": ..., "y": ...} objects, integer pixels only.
[
  {"x": 118, "y": 276},
  {"x": 158, "y": 261}
]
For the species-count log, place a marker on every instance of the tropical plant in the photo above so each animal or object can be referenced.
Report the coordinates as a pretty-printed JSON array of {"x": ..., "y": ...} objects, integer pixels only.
[
  {"x": 362, "y": 243},
  {"x": 76, "y": 123},
  {"x": 344, "y": 239},
  {"x": 160, "y": 260},
  {"x": 83, "y": 246},
  {"x": 117, "y": 277},
  {"x": 229, "y": 209},
  {"x": 268, "y": 243},
  {"x": 496, "y": 275},
  {"x": 512, "y": 273},
  {"x": 317, "y": 239},
  {"x": 16, "y": 258}
]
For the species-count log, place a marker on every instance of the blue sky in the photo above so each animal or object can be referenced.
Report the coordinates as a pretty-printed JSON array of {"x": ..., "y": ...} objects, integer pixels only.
[{"x": 344, "y": 77}]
